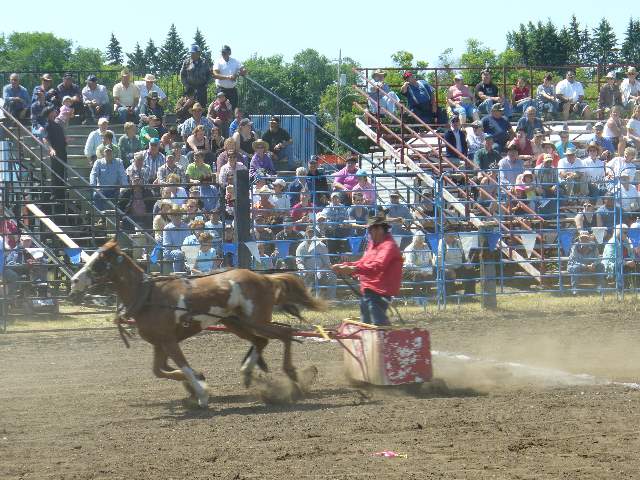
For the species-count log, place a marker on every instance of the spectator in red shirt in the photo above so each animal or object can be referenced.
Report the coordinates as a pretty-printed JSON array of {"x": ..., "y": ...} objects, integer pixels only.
[
  {"x": 8, "y": 227},
  {"x": 523, "y": 144},
  {"x": 521, "y": 96},
  {"x": 379, "y": 271}
]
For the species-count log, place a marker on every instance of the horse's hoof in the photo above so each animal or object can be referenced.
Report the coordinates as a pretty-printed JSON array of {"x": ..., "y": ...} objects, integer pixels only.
[
  {"x": 187, "y": 386},
  {"x": 203, "y": 401},
  {"x": 247, "y": 378}
]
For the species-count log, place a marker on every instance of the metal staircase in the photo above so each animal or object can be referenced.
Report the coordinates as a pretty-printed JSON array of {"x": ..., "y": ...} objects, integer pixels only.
[{"x": 422, "y": 154}]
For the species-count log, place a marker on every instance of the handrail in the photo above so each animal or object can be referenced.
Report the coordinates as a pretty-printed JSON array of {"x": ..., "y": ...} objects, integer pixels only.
[
  {"x": 69, "y": 168},
  {"x": 440, "y": 139}
]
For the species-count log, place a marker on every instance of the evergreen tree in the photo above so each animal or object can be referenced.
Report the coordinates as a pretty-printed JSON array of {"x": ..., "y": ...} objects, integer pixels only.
[
  {"x": 114, "y": 51},
  {"x": 137, "y": 62},
  {"x": 151, "y": 60},
  {"x": 172, "y": 52},
  {"x": 199, "y": 40},
  {"x": 630, "y": 51},
  {"x": 586, "y": 53},
  {"x": 572, "y": 37},
  {"x": 604, "y": 44}
]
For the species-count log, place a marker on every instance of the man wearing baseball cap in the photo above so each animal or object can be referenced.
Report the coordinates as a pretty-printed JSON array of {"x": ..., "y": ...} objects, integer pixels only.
[
  {"x": 379, "y": 271},
  {"x": 460, "y": 100},
  {"x": 497, "y": 125},
  {"x": 599, "y": 139},
  {"x": 68, "y": 88},
  {"x": 195, "y": 74},
  {"x": 226, "y": 71},
  {"x": 421, "y": 97},
  {"x": 609, "y": 95},
  {"x": 96, "y": 100}
]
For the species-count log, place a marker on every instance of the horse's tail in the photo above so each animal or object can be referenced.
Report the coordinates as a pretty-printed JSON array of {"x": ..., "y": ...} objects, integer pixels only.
[{"x": 291, "y": 293}]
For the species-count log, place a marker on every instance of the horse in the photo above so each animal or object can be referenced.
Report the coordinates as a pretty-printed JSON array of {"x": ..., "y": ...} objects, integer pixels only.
[{"x": 168, "y": 310}]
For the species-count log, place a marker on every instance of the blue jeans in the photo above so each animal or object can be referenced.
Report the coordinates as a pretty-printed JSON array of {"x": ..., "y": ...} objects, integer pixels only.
[
  {"x": 373, "y": 308},
  {"x": 123, "y": 114},
  {"x": 546, "y": 106},
  {"x": 485, "y": 107},
  {"x": 287, "y": 152},
  {"x": 520, "y": 108},
  {"x": 101, "y": 203},
  {"x": 466, "y": 110},
  {"x": 177, "y": 256}
]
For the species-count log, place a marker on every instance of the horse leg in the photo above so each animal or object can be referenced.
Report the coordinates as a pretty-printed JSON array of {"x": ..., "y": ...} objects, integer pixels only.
[
  {"x": 172, "y": 349},
  {"x": 287, "y": 366},
  {"x": 253, "y": 358},
  {"x": 160, "y": 367}
]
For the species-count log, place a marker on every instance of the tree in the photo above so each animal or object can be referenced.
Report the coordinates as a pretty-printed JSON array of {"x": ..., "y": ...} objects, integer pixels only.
[
  {"x": 478, "y": 56},
  {"x": 630, "y": 51},
  {"x": 402, "y": 59},
  {"x": 172, "y": 52},
  {"x": 86, "y": 60},
  {"x": 151, "y": 60},
  {"x": 114, "y": 51},
  {"x": 136, "y": 60},
  {"x": 573, "y": 38},
  {"x": 604, "y": 44},
  {"x": 36, "y": 51},
  {"x": 199, "y": 40}
]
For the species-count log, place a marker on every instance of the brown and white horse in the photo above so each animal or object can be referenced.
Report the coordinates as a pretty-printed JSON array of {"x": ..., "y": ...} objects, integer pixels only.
[{"x": 168, "y": 310}]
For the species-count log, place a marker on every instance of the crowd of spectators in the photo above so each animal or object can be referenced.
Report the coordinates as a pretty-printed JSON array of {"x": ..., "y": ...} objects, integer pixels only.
[{"x": 178, "y": 182}]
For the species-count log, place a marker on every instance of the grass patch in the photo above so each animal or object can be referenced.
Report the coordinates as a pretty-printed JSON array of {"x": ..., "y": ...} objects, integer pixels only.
[{"x": 509, "y": 306}]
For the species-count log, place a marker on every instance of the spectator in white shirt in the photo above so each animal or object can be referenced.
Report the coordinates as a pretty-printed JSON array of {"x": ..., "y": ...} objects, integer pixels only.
[
  {"x": 147, "y": 86},
  {"x": 226, "y": 71},
  {"x": 625, "y": 164},
  {"x": 571, "y": 95},
  {"x": 633, "y": 126},
  {"x": 630, "y": 88},
  {"x": 571, "y": 174}
]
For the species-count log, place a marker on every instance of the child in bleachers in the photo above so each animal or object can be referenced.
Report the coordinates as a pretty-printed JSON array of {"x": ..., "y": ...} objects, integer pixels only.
[
  {"x": 66, "y": 111},
  {"x": 207, "y": 259}
]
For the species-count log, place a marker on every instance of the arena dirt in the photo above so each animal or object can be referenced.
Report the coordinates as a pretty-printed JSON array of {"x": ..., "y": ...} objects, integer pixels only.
[{"x": 78, "y": 405}]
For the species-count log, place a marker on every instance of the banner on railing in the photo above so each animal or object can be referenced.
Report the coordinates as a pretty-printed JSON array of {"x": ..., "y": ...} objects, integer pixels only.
[{"x": 529, "y": 242}]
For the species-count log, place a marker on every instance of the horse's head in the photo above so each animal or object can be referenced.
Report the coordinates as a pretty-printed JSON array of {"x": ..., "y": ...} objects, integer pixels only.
[{"x": 99, "y": 269}]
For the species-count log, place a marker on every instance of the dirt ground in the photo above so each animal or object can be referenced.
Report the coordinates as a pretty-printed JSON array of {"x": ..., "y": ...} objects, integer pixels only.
[{"x": 78, "y": 405}]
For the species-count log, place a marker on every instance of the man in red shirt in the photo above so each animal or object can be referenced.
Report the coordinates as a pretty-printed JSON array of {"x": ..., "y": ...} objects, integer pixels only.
[{"x": 379, "y": 271}]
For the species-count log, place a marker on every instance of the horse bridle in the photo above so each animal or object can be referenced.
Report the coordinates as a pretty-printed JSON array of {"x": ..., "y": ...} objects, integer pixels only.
[{"x": 100, "y": 275}]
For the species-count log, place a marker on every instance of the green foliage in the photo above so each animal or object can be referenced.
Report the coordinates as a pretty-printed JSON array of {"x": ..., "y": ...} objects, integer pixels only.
[
  {"x": 198, "y": 39},
  {"x": 172, "y": 52},
  {"x": 630, "y": 51},
  {"x": 34, "y": 51},
  {"x": 86, "y": 59},
  {"x": 114, "y": 51},
  {"x": 136, "y": 60},
  {"x": 604, "y": 44},
  {"x": 151, "y": 59}
]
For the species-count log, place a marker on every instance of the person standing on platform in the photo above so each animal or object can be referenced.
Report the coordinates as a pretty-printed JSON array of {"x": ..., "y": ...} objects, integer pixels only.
[
  {"x": 379, "y": 271},
  {"x": 226, "y": 71},
  {"x": 195, "y": 74}
]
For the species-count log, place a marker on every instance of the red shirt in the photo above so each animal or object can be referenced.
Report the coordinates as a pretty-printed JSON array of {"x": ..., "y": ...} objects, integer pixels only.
[
  {"x": 380, "y": 268},
  {"x": 519, "y": 93}
]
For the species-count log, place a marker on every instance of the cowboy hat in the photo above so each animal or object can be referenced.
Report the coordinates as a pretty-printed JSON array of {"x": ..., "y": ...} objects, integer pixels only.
[
  {"x": 149, "y": 77},
  {"x": 378, "y": 221},
  {"x": 260, "y": 144}
]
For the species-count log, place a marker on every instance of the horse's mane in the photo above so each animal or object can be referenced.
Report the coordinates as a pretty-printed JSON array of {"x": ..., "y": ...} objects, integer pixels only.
[{"x": 112, "y": 245}]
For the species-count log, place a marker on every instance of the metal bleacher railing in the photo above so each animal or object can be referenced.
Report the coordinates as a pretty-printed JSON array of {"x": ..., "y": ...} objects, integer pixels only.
[{"x": 452, "y": 234}]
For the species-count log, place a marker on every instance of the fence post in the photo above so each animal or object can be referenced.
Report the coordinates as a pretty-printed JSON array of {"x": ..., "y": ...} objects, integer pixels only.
[
  {"x": 488, "y": 259},
  {"x": 242, "y": 214}
]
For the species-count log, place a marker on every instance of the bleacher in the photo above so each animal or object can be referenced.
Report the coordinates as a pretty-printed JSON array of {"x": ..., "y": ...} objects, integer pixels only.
[{"x": 406, "y": 155}]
